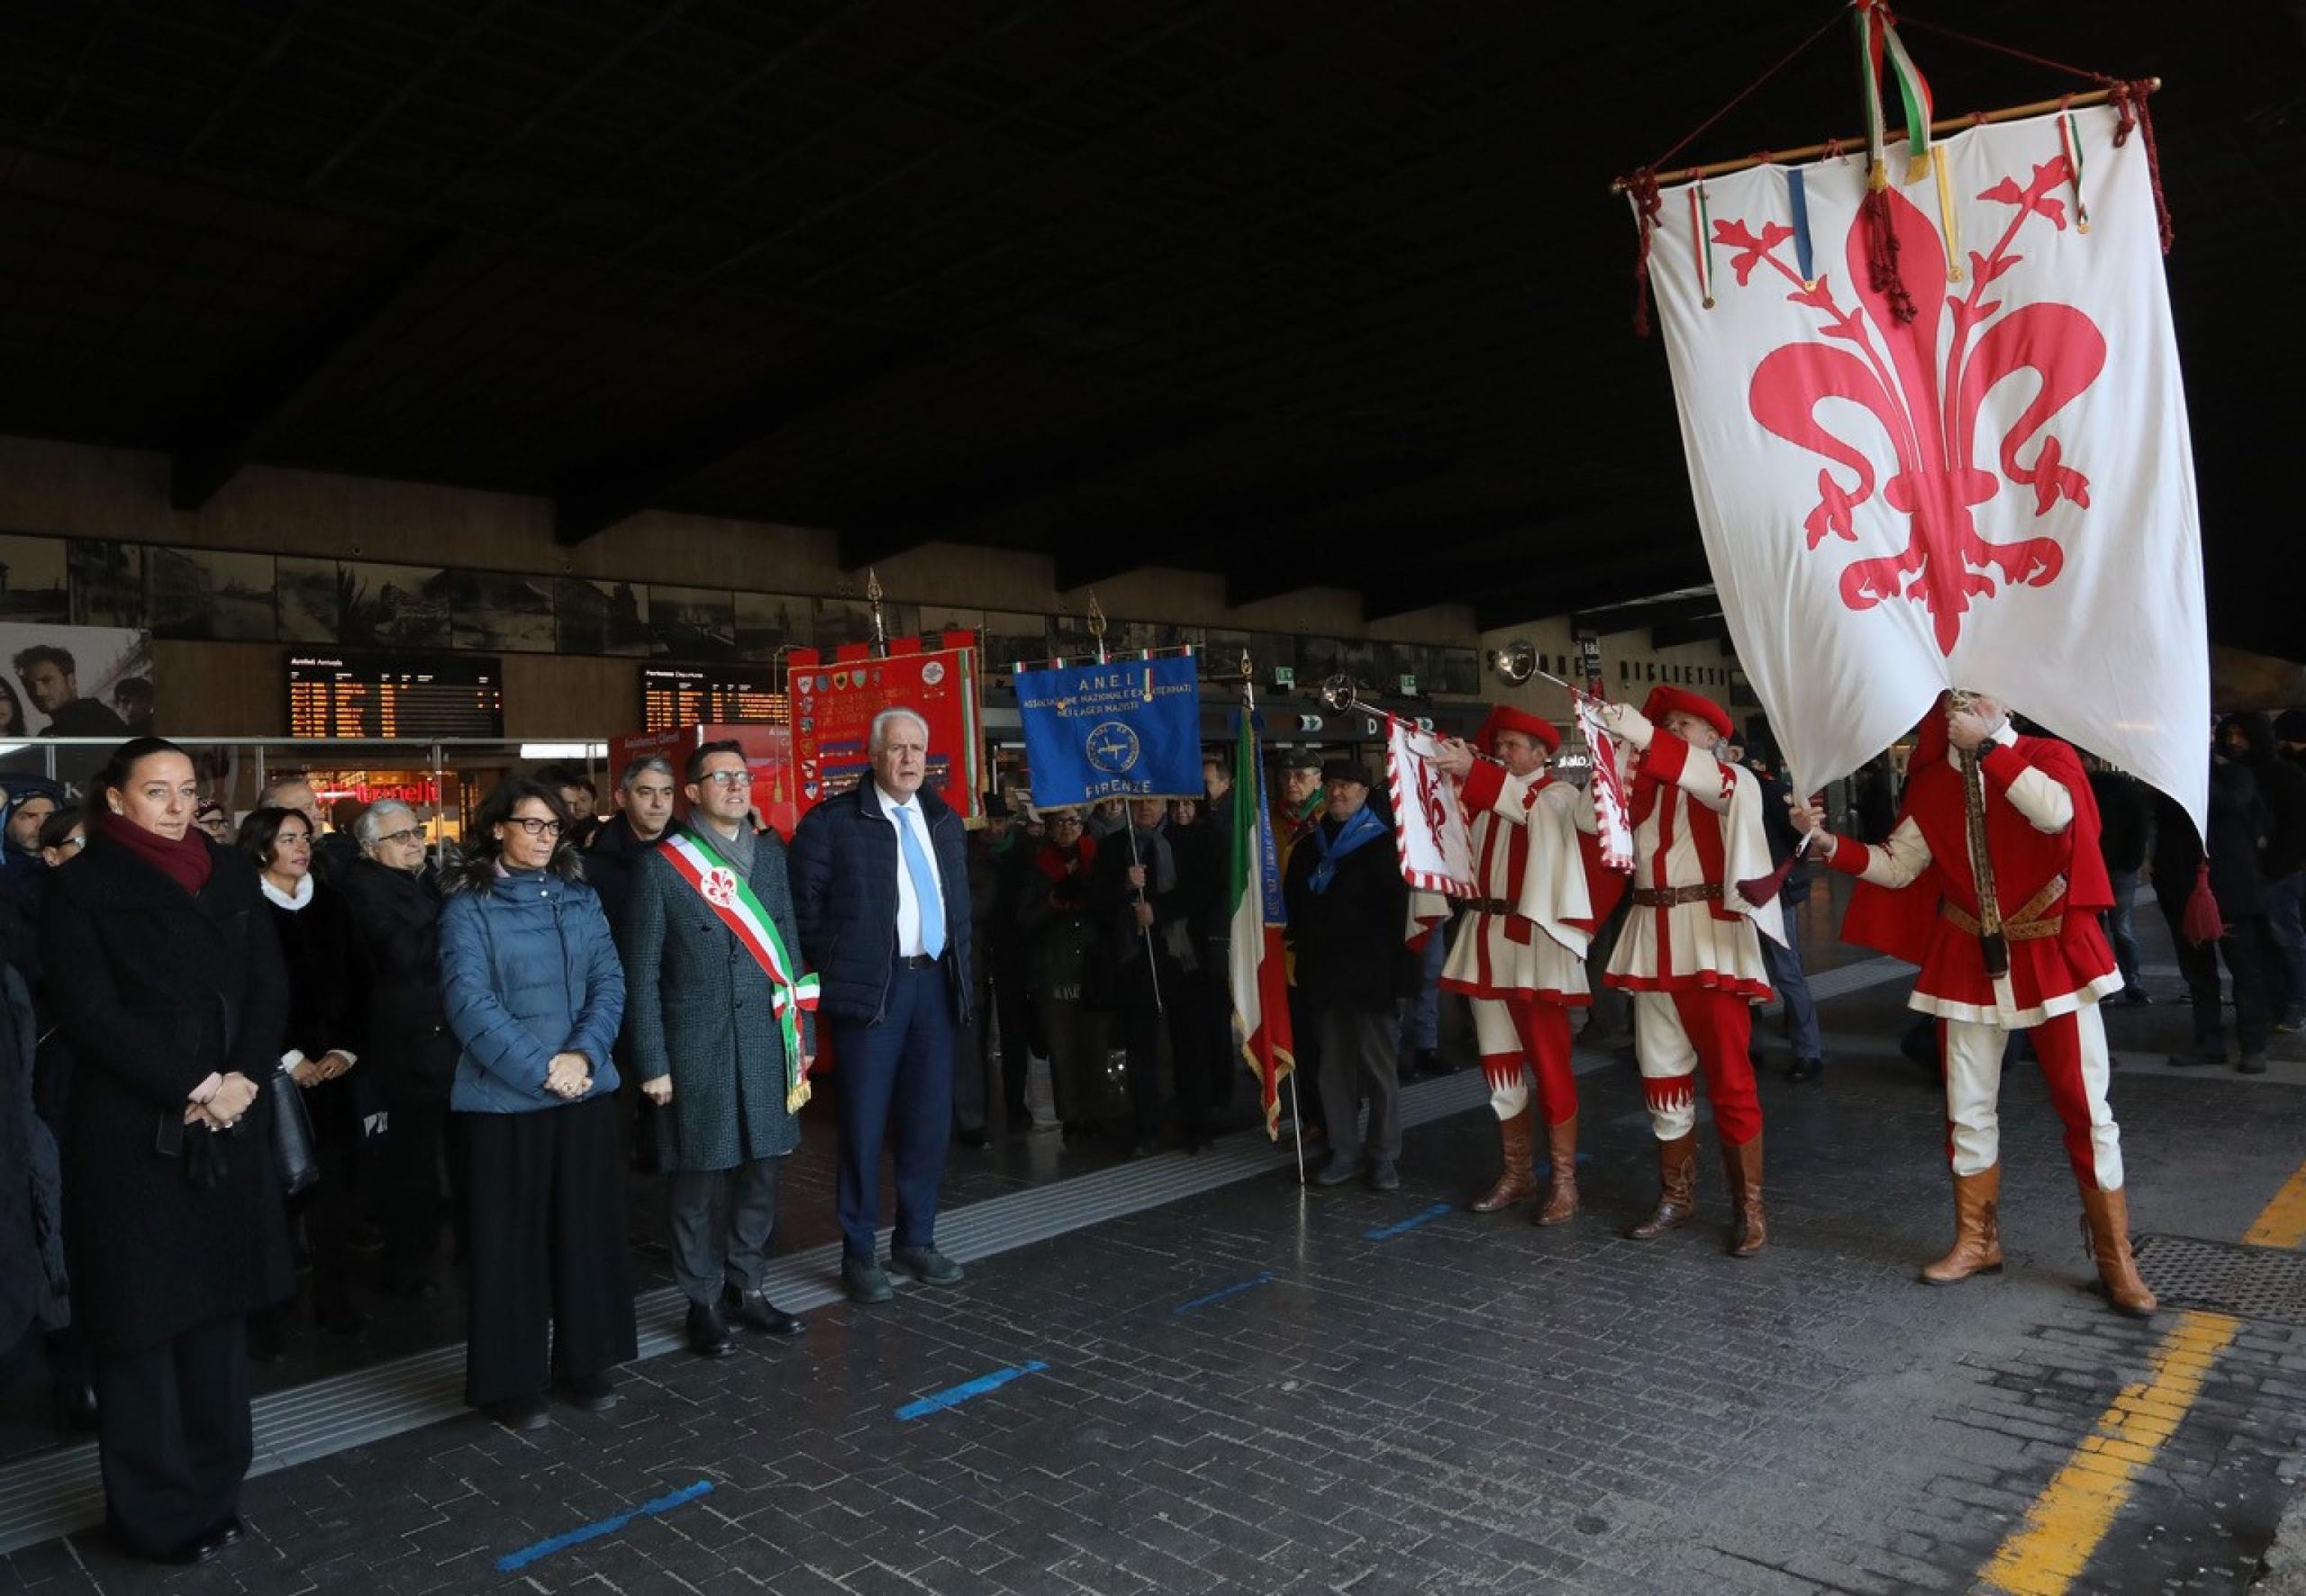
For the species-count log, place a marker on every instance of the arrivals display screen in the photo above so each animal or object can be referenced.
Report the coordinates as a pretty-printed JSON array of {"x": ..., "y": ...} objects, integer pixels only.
[
  {"x": 674, "y": 696},
  {"x": 395, "y": 695}
]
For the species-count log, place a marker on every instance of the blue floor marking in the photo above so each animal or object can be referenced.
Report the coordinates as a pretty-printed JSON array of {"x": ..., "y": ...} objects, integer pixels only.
[
  {"x": 1426, "y": 1217},
  {"x": 1234, "y": 1289},
  {"x": 575, "y": 1538},
  {"x": 961, "y": 1393}
]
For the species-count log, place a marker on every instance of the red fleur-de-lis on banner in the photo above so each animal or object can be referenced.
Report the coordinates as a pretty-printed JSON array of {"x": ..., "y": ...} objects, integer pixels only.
[{"x": 1924, "y": 383}]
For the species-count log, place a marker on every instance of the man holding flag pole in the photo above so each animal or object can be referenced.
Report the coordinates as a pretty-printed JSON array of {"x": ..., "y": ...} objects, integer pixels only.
[{"x": 1257, "y": 973}]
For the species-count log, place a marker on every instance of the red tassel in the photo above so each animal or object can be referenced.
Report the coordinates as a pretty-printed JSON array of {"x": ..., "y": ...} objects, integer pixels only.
[
  {"x": 1882, "y": 253},
  {"x": 2203, "y": 924},
  {"x": 2129, "y": 102},
  {"x": 1649, "y": 205}
]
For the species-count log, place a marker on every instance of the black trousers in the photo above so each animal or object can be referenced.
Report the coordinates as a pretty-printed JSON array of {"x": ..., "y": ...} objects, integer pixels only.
[
  {"x": 1145, "y": 1033},
  {"x": 552, "y": 1285},
  {"x": 173, "y": 1435},
  {"x": 704, "y": 1263},
  {"x": 2239, "y": 948},
  {"x": 408, "y": 1170}
]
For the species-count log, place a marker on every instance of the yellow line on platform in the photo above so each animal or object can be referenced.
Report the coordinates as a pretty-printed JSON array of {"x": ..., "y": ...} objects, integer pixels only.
[{"x": 2046, "y": 1555}]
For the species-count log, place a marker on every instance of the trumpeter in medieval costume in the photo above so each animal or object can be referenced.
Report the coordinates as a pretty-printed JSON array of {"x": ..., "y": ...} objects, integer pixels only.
[
  {"x": 1993, "y": 881},
  {"x": 1690, "y": 953},
  {"x": 1520, "y": 954}
]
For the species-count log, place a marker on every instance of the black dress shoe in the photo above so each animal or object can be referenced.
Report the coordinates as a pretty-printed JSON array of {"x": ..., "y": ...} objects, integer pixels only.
[
  {"x": 228, "y": 1532},
  {"x": 594, "y": 1394},
  {"x": 756, "y": 1313},
  {"x": 520, "y": 1414},
  {"x": 865, "y": 1281},
  {"x": 708, "y": 1332},
  {"x": 926, "y": 1264}
]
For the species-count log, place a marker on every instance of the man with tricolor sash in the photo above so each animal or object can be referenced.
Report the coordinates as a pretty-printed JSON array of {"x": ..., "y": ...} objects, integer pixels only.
[{"x": 719, "y": 1030}]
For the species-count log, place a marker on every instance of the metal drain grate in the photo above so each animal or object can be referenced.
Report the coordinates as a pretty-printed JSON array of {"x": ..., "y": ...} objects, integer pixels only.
[{"x": 2266, "y": 1282}]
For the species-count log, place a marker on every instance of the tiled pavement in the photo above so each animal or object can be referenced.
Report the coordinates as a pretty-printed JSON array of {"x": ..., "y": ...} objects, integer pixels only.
[{"x": 1462, "y": 1403}]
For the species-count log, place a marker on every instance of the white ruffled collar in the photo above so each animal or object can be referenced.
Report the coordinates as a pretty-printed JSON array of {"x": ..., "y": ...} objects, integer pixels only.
[{"x": 303, "y": 893}]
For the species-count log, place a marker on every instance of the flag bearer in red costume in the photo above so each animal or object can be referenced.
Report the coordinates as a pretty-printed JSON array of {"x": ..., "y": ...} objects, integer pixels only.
[
  {"x": 1520, "y": 953},
  {"x": 1991, "y": 882},
  {"x": 1691, "y": 951}
]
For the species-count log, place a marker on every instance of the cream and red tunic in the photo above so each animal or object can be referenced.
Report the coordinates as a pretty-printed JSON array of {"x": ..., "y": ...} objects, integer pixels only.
[
  {"x": 1697, "y": 823},
  {"x": 1526, "y": 854}
]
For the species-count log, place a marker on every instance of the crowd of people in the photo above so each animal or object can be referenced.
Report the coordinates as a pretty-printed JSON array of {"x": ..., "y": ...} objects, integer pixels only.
[{"x": 242, "y": 1057}]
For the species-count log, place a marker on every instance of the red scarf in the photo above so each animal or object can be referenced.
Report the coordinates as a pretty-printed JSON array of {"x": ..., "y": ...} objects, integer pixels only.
[
  {"x": 1060, "y": 867},
  {"x": 185, "y": 860}
]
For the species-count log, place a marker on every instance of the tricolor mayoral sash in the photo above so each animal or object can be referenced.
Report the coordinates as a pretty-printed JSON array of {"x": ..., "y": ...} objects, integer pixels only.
[{"x": 731, "y": 896}]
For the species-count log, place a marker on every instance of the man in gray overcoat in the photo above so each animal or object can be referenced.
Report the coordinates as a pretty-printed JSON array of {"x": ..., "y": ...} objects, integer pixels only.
[{"x": 709, "y": 1026}]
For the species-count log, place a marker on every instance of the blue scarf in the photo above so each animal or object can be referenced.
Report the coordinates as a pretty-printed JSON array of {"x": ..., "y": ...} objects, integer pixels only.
[{"x": 1364, "y": 827}]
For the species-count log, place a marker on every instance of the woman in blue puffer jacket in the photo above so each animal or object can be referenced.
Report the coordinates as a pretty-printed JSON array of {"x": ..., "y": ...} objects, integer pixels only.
[{"x": 534, "y": 994}]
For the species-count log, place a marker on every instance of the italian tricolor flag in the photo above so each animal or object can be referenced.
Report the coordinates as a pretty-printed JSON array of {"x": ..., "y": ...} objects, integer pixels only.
[{"x": 1258, "y": 977}]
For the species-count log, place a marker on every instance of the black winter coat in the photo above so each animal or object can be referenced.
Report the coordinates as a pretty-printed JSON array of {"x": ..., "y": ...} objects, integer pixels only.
[
  {"x": 2234, "y": 820},
  {"x": 327, "y": 988},
  {"x": 2125, "y": 816},
  {"x": 608, "y": 868},
  {"x": 844, "y": 866},
  {"x": 1120, "y": 977},
  {"x": 157, "y": 990},
  {"x": 407, "y": 1051},
  {"x": 1350, "y": 948}
]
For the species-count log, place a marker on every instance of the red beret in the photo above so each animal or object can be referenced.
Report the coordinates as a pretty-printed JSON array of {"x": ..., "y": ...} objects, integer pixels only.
[
  {"x": 1501, "y": 718},
  {"x": 1663, "y": 701}
]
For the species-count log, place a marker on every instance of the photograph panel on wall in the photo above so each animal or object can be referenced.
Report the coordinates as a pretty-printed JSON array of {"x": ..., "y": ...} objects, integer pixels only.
[
  {"x": 107, "y": 582},
  {"x": 212, "y": 595},
  {"x": 592, "y": 617},
  {"x": 1318, "y": 658},
  {"x": 1069, "y": 637},
  {"x": 500, "y": 612},
  {"x": 381, "y": 606},
  {"x": 937, "y": 620},
  {"x": 1221, "y": 653},
  {"x": 693, "y": 623},
  {"x": 1458, "y": 673},
  {"x": 1011, "y": 635},
  {"x": 309, "y": 594},
  {"x": 841, "y": 620},
  {"x": 1276, "y": 650},
  {"x": 770, "y": 622},
  {"x": 74, "y": 681},
  {"x": 34, "y": 589}
]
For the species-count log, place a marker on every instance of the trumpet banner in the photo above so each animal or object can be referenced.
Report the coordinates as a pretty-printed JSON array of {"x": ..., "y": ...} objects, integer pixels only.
[{"x": 1997, "y": 493}]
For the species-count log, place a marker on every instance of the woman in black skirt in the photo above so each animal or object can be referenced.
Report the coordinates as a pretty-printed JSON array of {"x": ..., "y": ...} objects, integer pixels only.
[
  {"x": 535, "y": 993},
  {"x": 324, "y": 984},
  {"x": 164, "y": 972}
]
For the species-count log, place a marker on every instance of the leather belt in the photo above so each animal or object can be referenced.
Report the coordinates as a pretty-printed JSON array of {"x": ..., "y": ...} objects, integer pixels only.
[
  {"x": 1668, "y": 897},
  {"x": 2028, "y": 925},
  {"x": 1491, "y": 906},
  {"x": 916, "y": 961}
]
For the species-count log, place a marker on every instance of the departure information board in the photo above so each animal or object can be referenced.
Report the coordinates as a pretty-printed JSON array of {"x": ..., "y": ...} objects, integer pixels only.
[
  {"x": 674, "y": 696},
  {"x": 406, "y": 696}
]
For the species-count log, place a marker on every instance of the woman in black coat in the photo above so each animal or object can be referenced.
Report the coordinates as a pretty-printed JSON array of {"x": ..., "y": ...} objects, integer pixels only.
[
  {"x": 324, "y": 995},
  {"x": 165, "y": 973},
  {"x": 392, "y": 897}
]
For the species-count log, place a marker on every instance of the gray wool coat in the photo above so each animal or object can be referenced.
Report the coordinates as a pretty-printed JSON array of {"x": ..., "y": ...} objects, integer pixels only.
[{"x": 697, "y": 1008}]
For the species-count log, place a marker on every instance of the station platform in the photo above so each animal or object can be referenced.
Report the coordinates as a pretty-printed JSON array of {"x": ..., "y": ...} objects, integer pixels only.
[{"x": 1188, "y": 1374}]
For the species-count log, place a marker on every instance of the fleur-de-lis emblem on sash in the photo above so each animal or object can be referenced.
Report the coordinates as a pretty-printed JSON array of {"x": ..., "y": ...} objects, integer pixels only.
[{"x": 721, "y": 887}]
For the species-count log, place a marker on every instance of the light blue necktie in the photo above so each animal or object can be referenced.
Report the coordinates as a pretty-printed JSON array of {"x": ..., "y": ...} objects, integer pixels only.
[{"x": 924, "y": 885}]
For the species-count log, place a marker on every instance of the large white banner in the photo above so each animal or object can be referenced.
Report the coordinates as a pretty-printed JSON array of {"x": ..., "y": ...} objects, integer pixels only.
[
  {"x": 1998, "y": 494},
  {"x": 1429, "y": 831}
]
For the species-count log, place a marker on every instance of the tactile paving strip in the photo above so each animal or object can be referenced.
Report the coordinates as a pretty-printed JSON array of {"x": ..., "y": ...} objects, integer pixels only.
[{"x": 2265, "y": 1283}]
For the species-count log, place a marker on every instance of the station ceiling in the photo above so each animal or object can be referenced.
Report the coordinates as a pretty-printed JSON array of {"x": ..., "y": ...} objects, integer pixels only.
[{"x": 1303, "y": 293}]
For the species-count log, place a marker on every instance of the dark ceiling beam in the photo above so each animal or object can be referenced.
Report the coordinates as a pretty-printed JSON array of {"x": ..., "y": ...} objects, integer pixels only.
[
  {"x": 235, "y": 428},
  {"x": 594, "y": 499},
  {"x": 922, "y": 508},
  {"x": 1191, "y": 533},
  {"x": 1651, "y": 612},
  {"x": 1456, "y": 556},
  {"x": 1702, "y": 629}
]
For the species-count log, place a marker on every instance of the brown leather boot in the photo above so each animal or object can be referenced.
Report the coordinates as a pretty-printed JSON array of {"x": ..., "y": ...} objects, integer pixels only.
[
  {"x": 1741, "y": 1166},
  {"x": 1676, "y": 1189},
  {"x": 2105, "y": 1225},
  {"x": 1518, "y": 1180},
  {"x": 1978, "y": 1230},
  {"x": 1561, "y": 1197}
]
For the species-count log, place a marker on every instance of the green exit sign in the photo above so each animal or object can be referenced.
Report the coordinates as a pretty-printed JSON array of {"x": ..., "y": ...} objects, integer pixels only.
[{"x": 1284, "y": 675}]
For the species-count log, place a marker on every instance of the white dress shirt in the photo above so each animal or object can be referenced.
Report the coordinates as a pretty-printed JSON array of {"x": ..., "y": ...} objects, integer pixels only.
[{"x": 906, "y": 812}]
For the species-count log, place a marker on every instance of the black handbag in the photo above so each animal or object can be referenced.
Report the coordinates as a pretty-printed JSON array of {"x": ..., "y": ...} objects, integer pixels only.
[{"x": 291, "y": 1136}]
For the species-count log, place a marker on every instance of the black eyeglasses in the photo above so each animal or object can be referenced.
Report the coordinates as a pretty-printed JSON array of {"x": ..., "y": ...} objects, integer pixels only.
[
  {"x": 405, "y": 834},
  {"x": 725, "y": 779},
  {"x": 535, "y": 827}
]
